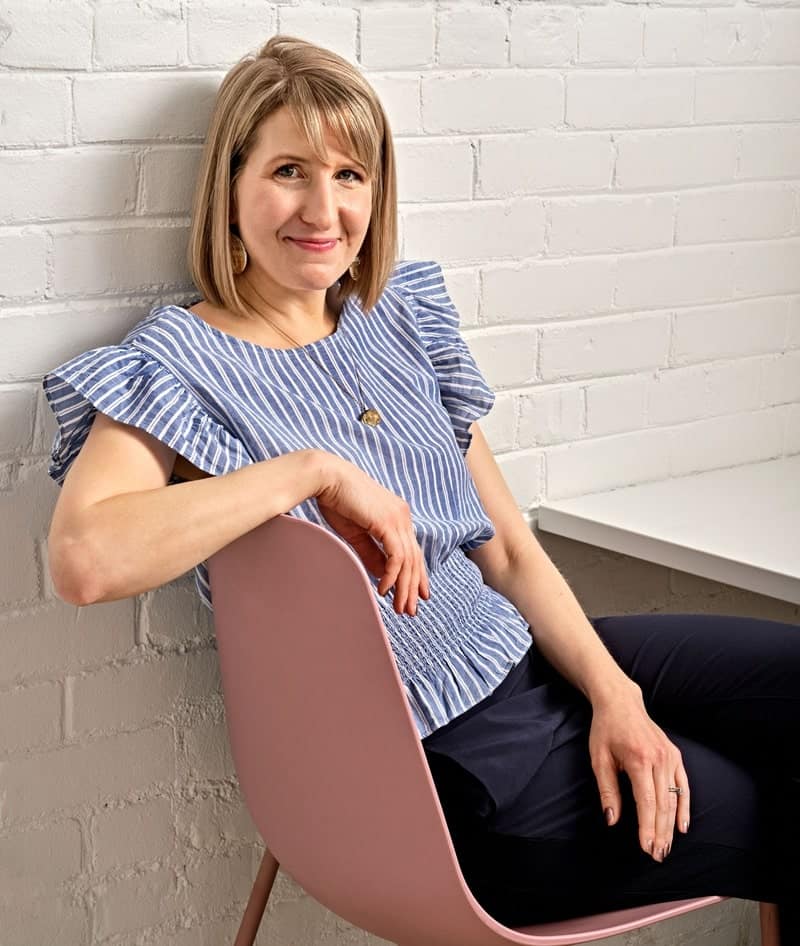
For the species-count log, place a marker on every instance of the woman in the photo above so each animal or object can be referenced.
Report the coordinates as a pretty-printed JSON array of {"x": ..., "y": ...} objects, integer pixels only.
[{"x": 318, "y": 377}]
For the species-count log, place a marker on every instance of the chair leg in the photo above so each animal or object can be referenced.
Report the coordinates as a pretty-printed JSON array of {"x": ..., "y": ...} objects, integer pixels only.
[{"x": 258, "y": 900}]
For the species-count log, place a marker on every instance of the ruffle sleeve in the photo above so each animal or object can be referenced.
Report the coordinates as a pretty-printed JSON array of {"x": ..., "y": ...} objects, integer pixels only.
[
  {"x": 133, "y": 388},
  {"x": 464, "y": 392}
]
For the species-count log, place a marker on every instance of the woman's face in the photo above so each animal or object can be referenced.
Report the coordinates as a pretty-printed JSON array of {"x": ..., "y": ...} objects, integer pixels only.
[{"x": 284, "y": 195}]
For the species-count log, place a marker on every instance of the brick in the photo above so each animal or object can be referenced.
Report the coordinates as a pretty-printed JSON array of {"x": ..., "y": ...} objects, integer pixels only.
[
  {"x": 136, "y": 833},
  {"x": 172, "y": 616},
  {"x": 428, "y": 169},
  {"x": 86, "y": 774},
  {"x": 543, "y": 36},
  {"x": 743, "y": 212},
  {"x": 138, "y": 694},
  {"x": 66, "y": 43},
  {"x": 220, "y": 32},
  {"x": 676, "y": 157},
  {"x": 475, "y": 231},
  {"x": 550, "y": 414},
  {"x": 472, "y": 36},
  {"x": 19, "y": 569},
  {"x": 676, "y": 395},
  {"x": 729, "y": 330},
  {"x": 721, "y": 442},
  {"x": 147, "y": 899},
  {"x": 60, "y": 638},
  {"x": 522, "y": 473},
  {"x": 492, "y": 101},
  {"x": 169, "y": 176},
  {"x": 219, "y": 881},
  {"x": 499, "y": 425},
  {"x": 773, "y": 151},
  {"x": 509, "y": 165},
  {"x": 176, "y": 106},
  {"x": 676, "y": 37},
  {"x": 793, "y": 324},
  {"x": 400, "y": 97},
  {"x": 781, "y": 42},
  {"x": 332, "y": 28},
  {"x": 781, "y": 378},
  {"x": 119, "y": 260},
  {"x": 24, "y": 255},
  {"x": 130, "y": 34},
  {"x": 736, "y": 36},
  {"x": 35, "y": 861},
  {"x": 17, "y": 406},
  {"x": 210, "y": 934},
  {"x": 611, "y": 36},
  {"x": 55, "y": 185},
  {"x": 791, "y": 442},
  {"x": 208, "y": 754},
  {"x": 206, "y": 823},
  {"x": 620, "y": 99},
  {"x": 608, "y": 346},
  {"x": 590, "y": 466},
  {"x": 32, "y": 345},
  {"x": 675, "y": 277},
  {"x": 51, "y": 921},
  {"x": 505, "y": 356},
  {"x": 768, "y": 268},
  {"x": 747, "y": 95},
  {"x": 610, "y": 224},
  {"x": 614, "y": 405},
  {"x": 396, "y": 37},
  {"x": 548, "y": 289},
  {"x": 30, "y": 717},
  {"x": 737, "y": 386},
  {"x": 36, "y": 110}
]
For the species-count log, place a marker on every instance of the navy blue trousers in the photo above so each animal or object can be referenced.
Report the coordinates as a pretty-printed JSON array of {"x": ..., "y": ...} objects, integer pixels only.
[{"x": 514, "y": 776}]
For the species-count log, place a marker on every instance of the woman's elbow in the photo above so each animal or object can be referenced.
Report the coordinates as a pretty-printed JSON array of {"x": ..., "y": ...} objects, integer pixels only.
[{"x": 73, "y": 570}]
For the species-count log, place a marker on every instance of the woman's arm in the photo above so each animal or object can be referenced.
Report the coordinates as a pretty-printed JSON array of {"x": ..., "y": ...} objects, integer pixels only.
[
  {"x": 118, "y": 529},
  {"x": 623, "y": 736}
]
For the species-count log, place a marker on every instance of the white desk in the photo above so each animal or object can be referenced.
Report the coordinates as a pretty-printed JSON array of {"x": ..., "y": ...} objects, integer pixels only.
[{"x": 740, "y": 526}]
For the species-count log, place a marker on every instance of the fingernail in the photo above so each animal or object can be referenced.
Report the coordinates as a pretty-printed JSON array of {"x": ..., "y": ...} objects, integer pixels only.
[
  {"x": 667, "y": 849},
  {"x": 609, "y": 813},
  {"x": 650, "y": 846},
  {"x": 685, "y": 826}
]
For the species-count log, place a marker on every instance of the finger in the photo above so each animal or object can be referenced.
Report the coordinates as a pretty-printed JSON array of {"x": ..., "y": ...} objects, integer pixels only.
[
  {"x": 644, "y": 794},
  {"x": 605, "y": 773},
  {"x": 666, "y": 805},
  {"x": 425, "y": 584},
  {"x": 682, "y": 814},
  {"x": 413, "y": 587},
  {"x": 403, "y": 589},
  {"x": 394, "y": 561}
]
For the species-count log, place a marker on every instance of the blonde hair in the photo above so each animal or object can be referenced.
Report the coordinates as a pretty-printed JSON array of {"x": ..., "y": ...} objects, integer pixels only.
[{"x": 322, "y": 91}]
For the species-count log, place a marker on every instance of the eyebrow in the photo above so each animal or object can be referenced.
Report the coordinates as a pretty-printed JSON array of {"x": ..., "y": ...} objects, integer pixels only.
[{"x": 295, "y": 157}]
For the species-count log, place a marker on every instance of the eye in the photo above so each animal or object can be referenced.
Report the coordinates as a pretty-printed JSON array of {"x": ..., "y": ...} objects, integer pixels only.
[
  {"x": 285, "y": 167},
  {"x": 356, "y": 175}
]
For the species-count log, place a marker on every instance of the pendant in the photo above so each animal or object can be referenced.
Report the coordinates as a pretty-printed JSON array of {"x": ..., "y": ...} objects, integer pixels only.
[{"x": 370, "y": 417}]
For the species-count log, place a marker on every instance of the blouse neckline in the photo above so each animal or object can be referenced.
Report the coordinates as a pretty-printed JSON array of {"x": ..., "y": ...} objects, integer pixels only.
[{"x": 327, "y": 341}]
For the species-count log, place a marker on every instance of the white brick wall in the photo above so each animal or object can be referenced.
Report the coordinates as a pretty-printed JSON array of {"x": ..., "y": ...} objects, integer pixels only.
[{"x": 613, "y": 187}]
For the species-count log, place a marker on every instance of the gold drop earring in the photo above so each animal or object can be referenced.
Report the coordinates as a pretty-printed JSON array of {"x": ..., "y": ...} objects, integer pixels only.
[
  {"x": 238, "y": 255},
  {"x": 353, "y": 269}
]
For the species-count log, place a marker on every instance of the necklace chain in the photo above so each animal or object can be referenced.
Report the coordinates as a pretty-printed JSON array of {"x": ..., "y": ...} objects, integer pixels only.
[{"x": 368, "y": 415}]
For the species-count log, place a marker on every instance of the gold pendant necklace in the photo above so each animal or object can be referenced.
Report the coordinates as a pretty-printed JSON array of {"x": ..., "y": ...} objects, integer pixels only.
[{"x": 368, "y": 415}]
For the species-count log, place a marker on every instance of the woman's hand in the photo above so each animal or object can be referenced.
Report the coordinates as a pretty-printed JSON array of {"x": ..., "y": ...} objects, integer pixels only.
[
  {"x": 378, "y": 526},
  {"x": 624, "y": 738}
]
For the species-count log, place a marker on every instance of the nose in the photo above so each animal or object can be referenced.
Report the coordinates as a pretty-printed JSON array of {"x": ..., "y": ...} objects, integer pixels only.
[{"x": 319, "y": 207}]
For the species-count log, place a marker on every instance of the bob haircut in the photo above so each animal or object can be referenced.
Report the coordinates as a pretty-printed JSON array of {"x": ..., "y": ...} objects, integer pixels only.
[{"x": 322, "y": 92}]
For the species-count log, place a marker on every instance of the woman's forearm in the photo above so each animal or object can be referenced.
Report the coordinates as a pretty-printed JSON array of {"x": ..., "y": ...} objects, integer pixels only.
[
  {"x": 130, "y": 543},
  {"x": 560, "y": 628}
]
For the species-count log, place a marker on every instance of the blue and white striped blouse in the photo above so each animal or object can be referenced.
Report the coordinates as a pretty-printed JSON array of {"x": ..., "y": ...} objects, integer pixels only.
[{"x": 223, "y": 402}]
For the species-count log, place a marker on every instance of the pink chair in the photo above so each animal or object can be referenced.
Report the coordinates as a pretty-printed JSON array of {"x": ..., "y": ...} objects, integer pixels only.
[{"x": 329, "y": 759}]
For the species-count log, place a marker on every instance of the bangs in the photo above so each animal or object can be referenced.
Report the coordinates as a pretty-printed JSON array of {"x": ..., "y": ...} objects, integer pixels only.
[{"x": 350, "y": 120}]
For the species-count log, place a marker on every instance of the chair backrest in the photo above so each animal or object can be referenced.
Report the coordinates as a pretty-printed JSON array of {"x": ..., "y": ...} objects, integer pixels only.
[{"x": 328, "y": 757}]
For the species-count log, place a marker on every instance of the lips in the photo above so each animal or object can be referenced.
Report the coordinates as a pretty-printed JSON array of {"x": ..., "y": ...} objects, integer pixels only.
[{"x": 314, "y": 242}]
